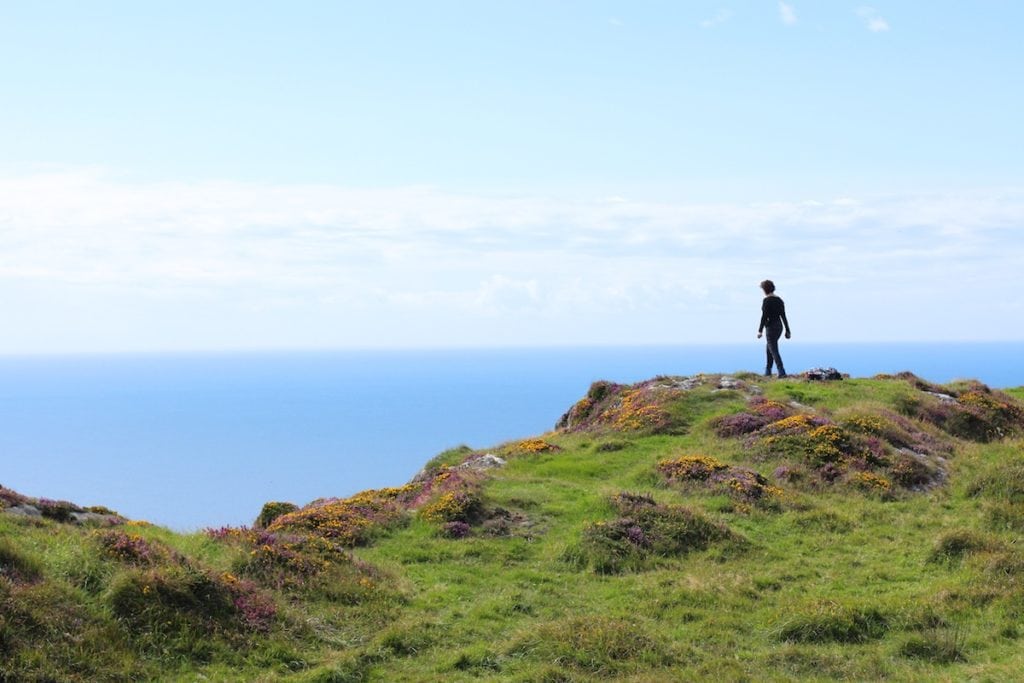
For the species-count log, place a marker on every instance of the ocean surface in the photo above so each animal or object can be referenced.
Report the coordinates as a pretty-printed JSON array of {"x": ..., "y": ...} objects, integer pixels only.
[{"x": 199, "y": 440}]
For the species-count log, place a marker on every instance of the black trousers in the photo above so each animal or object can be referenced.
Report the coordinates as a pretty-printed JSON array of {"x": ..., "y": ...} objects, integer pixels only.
[{"x": 773, "y": 332}]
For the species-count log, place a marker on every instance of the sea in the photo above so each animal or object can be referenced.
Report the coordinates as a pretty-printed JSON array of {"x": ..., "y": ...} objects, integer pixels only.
[{"x": 197, "y": 440}]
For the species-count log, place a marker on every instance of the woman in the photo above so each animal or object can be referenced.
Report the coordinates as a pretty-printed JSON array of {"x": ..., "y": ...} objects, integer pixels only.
[{"x": 773, "y": 318}]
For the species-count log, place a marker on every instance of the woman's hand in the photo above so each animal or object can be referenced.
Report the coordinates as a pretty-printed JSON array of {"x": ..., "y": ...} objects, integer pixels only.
[
  {"x": 759, "y": 335},
  {"x": 787, "y": 334}
]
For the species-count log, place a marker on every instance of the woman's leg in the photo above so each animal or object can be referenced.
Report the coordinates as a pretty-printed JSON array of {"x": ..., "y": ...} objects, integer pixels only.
[{"x": 773, "y": 350}]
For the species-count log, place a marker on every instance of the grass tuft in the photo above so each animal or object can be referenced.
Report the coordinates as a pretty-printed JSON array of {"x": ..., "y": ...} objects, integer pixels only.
[{"x": 832, "y": 622}]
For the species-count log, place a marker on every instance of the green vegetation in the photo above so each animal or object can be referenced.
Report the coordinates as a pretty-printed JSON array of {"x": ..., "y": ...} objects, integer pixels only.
[{"x": 676, "y": 529}]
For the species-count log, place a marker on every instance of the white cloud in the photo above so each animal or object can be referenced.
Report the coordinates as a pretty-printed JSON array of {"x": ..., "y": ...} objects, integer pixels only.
[
  {"x": 787, "y": 13},
  {"x": 87, "y": 260},
  {"x": 720, "y": 17},
  {"x": 872, "y": 19}
]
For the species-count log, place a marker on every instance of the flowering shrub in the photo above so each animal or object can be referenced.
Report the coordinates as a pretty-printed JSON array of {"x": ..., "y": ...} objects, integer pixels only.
[
  {"x": 9, "y": 498},
  {"x": 738, "y": 424},
  {"x": 637, "y": 407},
  {"x": 1001, "y": 415},
  {"x": 639, "y": 410},
  {"x": 913, "y": 473},
  {"x": 691, "y": 467},
  {"x": 181, "y": 598},
  {"x": 350, "y": 521},
  {"x": 297, "y": 563},
  {"x": 800, "y": 423},
  {"x": 865, "y": 424},
  {"x": 455, "y": 529},
  {"x": 746, "y": 485},
  {"x": 816, "y": 450},
  {"x": 533, "y": 446},
  {"x": 453, "y": 506},
  {"x": 645, "y": 529},
  {"x": 827, "y": 443},
  {"x": 272, "y": 511},
  {"x": 255, "y": 608},
  {"x": 584, "y": 411},
  {"x": 967, "y": 410},
  {"x": 57, "y": 510},
  {"x": 869, "y": 481},
  {"x": 772, "y": 411},
  {"x": 129, "y": 548}
]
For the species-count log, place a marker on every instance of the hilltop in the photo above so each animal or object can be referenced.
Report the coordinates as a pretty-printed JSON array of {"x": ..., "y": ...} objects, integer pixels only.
[{"x": 681, "y": 528}]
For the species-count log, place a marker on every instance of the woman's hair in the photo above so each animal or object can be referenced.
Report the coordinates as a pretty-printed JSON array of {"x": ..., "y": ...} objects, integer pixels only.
[{"x": 768, "y": 286}]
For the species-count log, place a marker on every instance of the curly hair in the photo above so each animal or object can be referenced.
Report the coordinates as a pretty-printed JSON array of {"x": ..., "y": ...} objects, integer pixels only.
[{"x": 768, "y": 286}]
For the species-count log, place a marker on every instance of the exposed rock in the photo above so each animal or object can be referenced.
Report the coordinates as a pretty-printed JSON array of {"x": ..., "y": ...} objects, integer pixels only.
[
  {"x": 944, "y": 398},
  {"x": 24, "y": 510},
  {"x": 95, "y": 518},
  {"x": 486, "y": 461},
  {"x": 823, "y": 374}
]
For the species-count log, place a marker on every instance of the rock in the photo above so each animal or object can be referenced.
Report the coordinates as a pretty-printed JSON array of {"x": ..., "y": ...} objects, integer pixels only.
[
  {"x": 95, "y": 518},
  {"x": 945, "y": 398},
  {"x": 729, "y": 383},
  {"x": 24, "y": 510},
  {"x": 486, "y": 461},
  {"x": 823, "y": 374}
]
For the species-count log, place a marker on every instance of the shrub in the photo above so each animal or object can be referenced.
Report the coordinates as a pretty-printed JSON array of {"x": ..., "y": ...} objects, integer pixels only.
[
  {"x": 57, "y": 510},
  {"x": 738, "y": 424},
  {"x": 456, "y": 529},
  {"x": 642, "y": 407},
  {"x": 299, "y": 563},
  {"x": 831, "y": 622},
  {"x": 772, "y": 411},
  {"x": 350, "y": 521},
  {"x": 171, "y": 608},
  {"x": 868, "y": 481},
  {"x": 533, "y": 447},
  {"x": 272, "y": 511},
  {"x": 691, "y": 468},
  {"x": 746, "y": 485},
  {"x": 912, "y": 472},
  {"x": 129, "y": 548},
  {"x": 182, "y": 606},
  {"x": 645, "y": 529},
  {"x": 453, "y": 506}
]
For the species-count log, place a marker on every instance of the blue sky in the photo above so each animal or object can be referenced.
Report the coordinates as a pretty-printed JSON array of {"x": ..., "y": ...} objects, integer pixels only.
[{"x": 241, "y": 175}]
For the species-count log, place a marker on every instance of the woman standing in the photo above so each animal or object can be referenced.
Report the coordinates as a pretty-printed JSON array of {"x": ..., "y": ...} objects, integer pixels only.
[{"x": 773, "y": 318}]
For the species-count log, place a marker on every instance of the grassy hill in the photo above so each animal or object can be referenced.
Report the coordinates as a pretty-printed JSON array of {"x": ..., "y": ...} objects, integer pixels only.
[{"x": 727, "y": 528}]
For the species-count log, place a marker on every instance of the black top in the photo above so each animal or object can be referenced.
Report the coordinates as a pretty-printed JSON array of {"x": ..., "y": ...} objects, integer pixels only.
[{"x": 773, "y": 309}]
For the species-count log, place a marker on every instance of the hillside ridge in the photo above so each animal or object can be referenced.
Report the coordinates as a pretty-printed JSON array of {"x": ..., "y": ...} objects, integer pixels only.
[{"x": 851, "y": 528}]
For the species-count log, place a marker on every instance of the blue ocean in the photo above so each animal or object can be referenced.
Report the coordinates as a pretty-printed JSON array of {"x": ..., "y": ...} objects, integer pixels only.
[{"x": 196, "y": 440}]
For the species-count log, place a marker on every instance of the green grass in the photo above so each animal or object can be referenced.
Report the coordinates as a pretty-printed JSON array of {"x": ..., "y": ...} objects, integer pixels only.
[{"x": 833, "y": 582}]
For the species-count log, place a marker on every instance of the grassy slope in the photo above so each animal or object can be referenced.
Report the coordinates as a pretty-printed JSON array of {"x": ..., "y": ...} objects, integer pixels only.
[{"x": 832, "y": 583}]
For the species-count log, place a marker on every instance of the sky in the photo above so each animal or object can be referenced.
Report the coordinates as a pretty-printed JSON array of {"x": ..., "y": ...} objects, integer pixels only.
[{"x": 190, "y": 176}]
